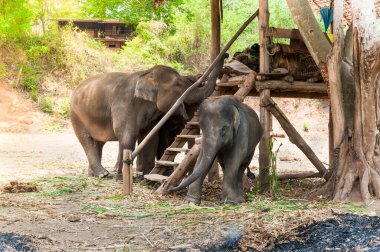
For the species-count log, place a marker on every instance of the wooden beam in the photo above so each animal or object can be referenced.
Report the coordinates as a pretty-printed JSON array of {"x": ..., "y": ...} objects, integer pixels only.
[
  {"x": 292, "y": 94},
  {"x": 265, "y": 118},
  {"x": 283, "y": 33},
  {"x": 213, "y": 173},
  {"x": 302, "y": 175},
  {"x": 297, "y": 86},
  {"x": 215, "y": 29},
  {"x": 293, "y": 135}
]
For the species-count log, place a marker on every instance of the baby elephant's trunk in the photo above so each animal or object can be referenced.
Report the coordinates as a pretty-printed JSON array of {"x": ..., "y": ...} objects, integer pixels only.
[{"x": 202, "y": 166}]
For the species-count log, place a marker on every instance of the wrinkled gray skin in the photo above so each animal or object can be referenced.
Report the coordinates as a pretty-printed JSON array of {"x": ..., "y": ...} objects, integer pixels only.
[
  {"x": 121, "y": 107},
  {"x": 231, "y": 130}
]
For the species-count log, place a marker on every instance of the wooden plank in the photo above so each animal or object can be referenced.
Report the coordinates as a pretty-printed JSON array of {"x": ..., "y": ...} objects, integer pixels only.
[
  {"x": 297, "y": 86},
  {"x": 283, "y": 33},
  {"x": 188, "y": 136},
  {"x": 302, "y": 175},
  {"x": 177, "y": 150},
  {"x": 293, "y": 135},
  {"x": 166, "y": 163},
  {"x": 156, "y": 177},
  {"x": 283, "y": 94},
  {"x": 248, "y": 85}
]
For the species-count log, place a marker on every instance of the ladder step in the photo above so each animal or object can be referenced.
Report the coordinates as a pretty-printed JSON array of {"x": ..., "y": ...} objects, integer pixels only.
[
  {"x": 166, "y": 163},
  {"x": 156, "y": 177},
  {"x": 188, "y": 136},
  {"x": 193, "y": 123},
  {"x": 177, "y": 150}
]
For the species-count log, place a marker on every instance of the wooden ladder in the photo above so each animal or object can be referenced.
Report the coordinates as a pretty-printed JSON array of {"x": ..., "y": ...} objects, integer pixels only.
[{"x": 192, "y": 131}]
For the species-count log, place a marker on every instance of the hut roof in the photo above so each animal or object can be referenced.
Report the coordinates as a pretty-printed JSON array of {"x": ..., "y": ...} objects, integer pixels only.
[
  {"x": 316, "y": 5},
  {"x": 90, "y": 20}
]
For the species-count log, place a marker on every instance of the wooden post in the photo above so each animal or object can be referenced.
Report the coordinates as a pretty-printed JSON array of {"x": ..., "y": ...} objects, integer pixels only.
[
  {"x": 215, "y": 29},
  {"x": 264, "y": 159},
  {"x": 213, "y": 174},
  {"x": 127, "y": 173}
]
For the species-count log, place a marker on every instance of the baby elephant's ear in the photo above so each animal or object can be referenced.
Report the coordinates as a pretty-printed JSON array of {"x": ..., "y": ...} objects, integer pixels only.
[
  {"x": 146, "y": 88},
  {"x": 236, "y": 120}
]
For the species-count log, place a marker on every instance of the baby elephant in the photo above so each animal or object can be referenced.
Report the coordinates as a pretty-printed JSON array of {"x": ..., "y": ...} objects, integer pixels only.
[{"x": 231, "y": 130}]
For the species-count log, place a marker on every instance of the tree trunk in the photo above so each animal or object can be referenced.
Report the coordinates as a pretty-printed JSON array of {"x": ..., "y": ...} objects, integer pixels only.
[
  {"x": 356, "y": 160},
  {"x": 311, "y": 33},
  {"x": 359, "y": 172}
]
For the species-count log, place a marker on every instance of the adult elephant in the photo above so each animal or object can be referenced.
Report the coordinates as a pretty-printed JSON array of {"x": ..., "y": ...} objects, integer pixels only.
[
  {"x": 231, "y": 130},
  {"x": 119, "y": 106}
]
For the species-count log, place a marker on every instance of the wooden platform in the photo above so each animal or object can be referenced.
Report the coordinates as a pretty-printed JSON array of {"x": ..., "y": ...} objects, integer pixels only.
[{"x": 278, "y": 88}]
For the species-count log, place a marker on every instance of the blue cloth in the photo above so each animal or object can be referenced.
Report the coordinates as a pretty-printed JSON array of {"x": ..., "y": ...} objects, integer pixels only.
[{"x": 327, "y": 16}]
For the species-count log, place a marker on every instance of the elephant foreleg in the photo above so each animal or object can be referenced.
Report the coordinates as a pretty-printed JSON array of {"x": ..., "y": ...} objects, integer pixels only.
[{"x": 232, "y": 186}]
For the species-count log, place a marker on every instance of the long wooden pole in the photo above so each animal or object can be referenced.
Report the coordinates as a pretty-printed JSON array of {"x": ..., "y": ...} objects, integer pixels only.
[
  {"x": 294, "y": 136},
  {"x": 195, "y": 85},
  {"x": 264, "y": 159},
  {"x": 215, "y": 29},
  {"x": 213, "y": 173}
]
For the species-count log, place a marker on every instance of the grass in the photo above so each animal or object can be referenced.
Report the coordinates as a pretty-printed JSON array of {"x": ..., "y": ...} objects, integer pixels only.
[
  {"x": 59, "y": 186},
  {"x": 305, "y": 127},
  {"x": 54, "y": 126}
]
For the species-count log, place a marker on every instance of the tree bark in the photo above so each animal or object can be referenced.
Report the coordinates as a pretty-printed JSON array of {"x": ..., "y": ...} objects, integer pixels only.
[
  {"x": 314, "y": 39},
  {"x": 356, "y": 141}
]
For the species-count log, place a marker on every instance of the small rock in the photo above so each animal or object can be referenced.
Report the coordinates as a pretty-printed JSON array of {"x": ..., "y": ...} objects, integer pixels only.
[{"x": 73, "y": 218}]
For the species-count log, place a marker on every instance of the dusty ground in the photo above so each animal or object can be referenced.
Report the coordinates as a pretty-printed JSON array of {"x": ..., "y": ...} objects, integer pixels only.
[{"x": 71, "y": 212}]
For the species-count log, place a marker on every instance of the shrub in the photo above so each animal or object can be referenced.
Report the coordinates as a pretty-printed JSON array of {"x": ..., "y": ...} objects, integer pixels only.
[
  {"x": 46, "y": 104},
  {"x": 64, "y": 108}
]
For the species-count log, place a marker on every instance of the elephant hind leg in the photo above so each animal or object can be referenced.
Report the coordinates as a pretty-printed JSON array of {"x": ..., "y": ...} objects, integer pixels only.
[{"x": 92, "y": 148}]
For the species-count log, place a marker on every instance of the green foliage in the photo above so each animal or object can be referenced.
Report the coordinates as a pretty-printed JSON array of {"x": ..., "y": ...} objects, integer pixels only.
[
  {"x": 64, "y": 108},
  {"x": 46, "y": 104},
  {"x": 274, "y": 187},
  {"x": 132, "y": 12},
  {"x": 15, "y": 19},
  {"x": 305, "y": 127}
]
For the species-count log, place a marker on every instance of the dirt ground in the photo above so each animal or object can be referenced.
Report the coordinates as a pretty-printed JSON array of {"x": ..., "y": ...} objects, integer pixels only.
[{"x": 71, "y": 212}]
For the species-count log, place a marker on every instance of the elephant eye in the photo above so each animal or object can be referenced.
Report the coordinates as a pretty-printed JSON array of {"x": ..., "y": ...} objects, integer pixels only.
[{"x": 223, "y": 132}]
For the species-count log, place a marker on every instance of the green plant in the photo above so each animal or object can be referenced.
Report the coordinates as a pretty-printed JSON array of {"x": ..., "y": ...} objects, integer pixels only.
[
  {"x": 305, "y": 127},
  {"x": 274, "y": 187},
  {"x": 64, "y": 108},
  {"x": 46, "y": 104}
]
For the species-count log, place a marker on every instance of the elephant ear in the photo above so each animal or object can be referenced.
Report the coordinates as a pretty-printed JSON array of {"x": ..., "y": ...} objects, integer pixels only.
[
  {"x": 146, "y": 87},
  {"x": 236, "y": 119}
]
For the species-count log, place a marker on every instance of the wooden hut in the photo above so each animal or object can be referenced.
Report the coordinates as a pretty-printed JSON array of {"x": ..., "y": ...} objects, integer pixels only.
[{"x": 112, "y": 33}]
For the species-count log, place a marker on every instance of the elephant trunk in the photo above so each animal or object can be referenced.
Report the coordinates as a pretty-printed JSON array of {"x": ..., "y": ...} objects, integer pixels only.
[
  {"x": 201, "y": 93},
  {"x": 202, "y": 166}
]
